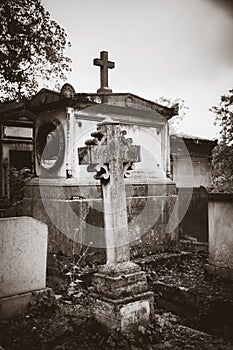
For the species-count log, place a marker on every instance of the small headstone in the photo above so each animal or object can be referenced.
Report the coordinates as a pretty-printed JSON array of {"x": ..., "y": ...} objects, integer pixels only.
[
  {"x": 220, "y": 213},
  {"x": 23, "y": 254}
]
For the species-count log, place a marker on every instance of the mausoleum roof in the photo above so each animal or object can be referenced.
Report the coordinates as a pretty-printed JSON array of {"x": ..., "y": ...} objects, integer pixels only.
[
  {"x": 119, "y": 103},
  {"x": 182, "y": 144}
]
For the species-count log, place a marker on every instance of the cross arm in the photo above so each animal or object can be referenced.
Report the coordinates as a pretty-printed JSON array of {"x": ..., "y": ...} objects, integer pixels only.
[
  {"x": 104, "y": 154},
  {"x": 93, "y": 155},
  {"x": 99, "y": 62}
]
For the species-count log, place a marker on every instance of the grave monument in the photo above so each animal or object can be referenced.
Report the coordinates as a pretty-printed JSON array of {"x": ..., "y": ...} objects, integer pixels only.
[
  {"x": 122, "y": 299},
  {"x": 68, "y": 199},
  {"x": 23, "y": 255}
]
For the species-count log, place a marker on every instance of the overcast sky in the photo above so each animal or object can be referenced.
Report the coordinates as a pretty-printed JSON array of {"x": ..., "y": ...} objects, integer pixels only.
[{"x": 170, "y": 48}]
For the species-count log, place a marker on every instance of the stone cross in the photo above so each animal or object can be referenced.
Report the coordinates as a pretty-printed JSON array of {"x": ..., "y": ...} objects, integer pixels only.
[
  {"x": 111, "y": 155},
  {"x": 104, "y": 66}
]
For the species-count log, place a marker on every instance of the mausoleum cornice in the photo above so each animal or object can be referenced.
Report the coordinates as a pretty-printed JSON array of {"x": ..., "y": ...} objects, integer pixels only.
[{"x": 47, "y": 99}]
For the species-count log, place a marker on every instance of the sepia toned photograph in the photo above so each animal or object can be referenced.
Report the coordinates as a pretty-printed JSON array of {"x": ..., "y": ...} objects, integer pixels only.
[{"x": 116, "y": 177}]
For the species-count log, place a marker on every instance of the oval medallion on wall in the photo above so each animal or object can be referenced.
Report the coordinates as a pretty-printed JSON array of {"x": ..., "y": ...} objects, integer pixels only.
[{"x": 50, "y": 145}]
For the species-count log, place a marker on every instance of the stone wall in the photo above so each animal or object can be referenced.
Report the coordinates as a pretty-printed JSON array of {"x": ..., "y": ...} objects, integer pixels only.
[{"x": 75, "y": 213}]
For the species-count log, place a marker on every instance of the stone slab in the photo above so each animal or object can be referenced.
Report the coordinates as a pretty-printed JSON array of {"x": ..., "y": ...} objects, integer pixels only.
[
  {"x": 23, "y": 254},
  {"x": 120, "y": 280},
  {"x": 119, "y": 269},
  {"x": 124, "y": 314},
  {"x": 15, "y": 305},
  {"x": 120, "y": 286},
  {"x": 220, "y": 210}
]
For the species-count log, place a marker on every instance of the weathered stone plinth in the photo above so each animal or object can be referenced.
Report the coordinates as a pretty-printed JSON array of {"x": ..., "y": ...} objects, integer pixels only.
[{"x": 121, "y": 297}]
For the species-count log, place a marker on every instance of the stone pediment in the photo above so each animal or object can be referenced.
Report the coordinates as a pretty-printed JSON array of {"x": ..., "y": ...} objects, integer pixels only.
[
  {"x": 131, "y": 101},
  {"x": 44, "y": 97},
  {"x": 137, "y": 102},
  {"x": 126, "y": 108},
  {"x": 125, "y": 105},
  {"x": 47, "y": 99}
]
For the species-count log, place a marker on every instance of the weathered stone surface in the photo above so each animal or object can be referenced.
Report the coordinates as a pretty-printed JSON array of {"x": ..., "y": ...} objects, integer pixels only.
[
  {"x": 191, "y": 153},
  {"x": 132, "y": 314},
  {"x": 67, "y": 189},
  {"x": 124, "y": 314},
  {"x": 115, "y": 270},
  {"x": 111, "y": 156},
  {"x": 220, "y": 212},
  {"x": 120, "y": 287},
  {"x": 23, "y": 252},
  {"x": 82, "y": 193},
  {"x": 121, "y": 296},
  {"x": 147, "y": 216}
]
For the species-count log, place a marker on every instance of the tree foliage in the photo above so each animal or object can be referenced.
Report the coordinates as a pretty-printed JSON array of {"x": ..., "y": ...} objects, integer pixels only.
[
  {"x": 31, "y": 48},
  {"x": 223, "y": 152}
]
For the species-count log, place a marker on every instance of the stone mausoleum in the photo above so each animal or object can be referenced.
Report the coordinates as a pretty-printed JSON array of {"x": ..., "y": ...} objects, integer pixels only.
[{"x": 68, "y": 198}]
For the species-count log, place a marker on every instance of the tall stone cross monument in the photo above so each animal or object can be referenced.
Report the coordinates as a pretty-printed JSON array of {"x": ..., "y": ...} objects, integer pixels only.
[
  {"x": 122, "y": 299},
  {"x": 104, "y": 65},
  {"x": 111, "y": 155}
]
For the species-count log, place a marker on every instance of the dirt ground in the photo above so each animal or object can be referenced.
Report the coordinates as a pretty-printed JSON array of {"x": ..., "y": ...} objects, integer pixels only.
[{"x": 62, "y": 322}]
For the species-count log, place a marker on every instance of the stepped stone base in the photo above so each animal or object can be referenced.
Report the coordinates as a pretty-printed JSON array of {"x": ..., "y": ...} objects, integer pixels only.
[{"x": 121, "y": 297}]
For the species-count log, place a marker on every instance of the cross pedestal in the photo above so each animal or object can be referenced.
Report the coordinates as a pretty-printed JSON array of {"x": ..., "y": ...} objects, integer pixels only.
[{"x": 121, "y": 293}]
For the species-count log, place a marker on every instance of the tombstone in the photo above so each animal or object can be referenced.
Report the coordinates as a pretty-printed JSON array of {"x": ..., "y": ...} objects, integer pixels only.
[
  {"x": 220, "y": 212},
  {"x": 68, "y": 199},
  {"x": 122, "y": 299},
  {"x": 23, "y": 253}
]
